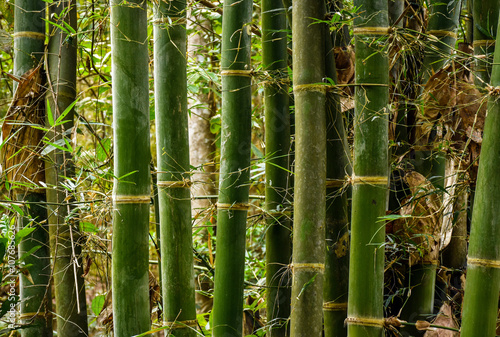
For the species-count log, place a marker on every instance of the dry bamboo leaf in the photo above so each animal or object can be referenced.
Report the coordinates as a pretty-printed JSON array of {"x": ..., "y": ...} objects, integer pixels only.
[
  {"x": 444, "y": 318},
  {"x": 20, "y": 155},
  {"x": 423, "y": 227},
  {"x": 344, "y": 62}
]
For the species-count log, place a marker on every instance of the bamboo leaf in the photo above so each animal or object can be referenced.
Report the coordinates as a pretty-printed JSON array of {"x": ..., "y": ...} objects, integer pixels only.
[
  {"x": 29, "y": 253},
  {"x": 307, "y": 284},
  {"x": 66, "y": 111},
  {"x": 22, "y": 234},
  {"x": 98, "y": 304},
  {"x": 50, "y": 116}
]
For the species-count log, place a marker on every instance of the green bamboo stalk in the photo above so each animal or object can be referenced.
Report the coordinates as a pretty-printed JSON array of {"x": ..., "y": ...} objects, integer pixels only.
[
  {"x": 131, "y": 192},
  {"x": 234, "y": 169},
  {"x": 370, "y": 177},
  {"x": 35, "y": 294},
  {"x": 29, "y": 34},
  {"x": 485, "y": 14},
  {"x": 69, "y": 284},
  {"x": 480, "y": 306},
  {"x": 442, "y": 30},
  {"x": 310, "y": 168},
  {"x": 337, "y": 231},
  {"x": 278, "y": 241},
  {"x": 172, "y": 145}
]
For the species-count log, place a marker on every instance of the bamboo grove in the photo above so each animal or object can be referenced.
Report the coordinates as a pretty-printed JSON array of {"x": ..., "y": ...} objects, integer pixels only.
[{"x": 250, "y": 168}]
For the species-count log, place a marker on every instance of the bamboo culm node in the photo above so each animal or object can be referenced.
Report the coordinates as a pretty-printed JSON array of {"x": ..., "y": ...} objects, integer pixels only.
[
  {"x": 131, "y": 199},
  {"x": 170, "y": 20},
  {"x": 175, "y": 184},
  {"x": 483, "y": 262},
  {"x": 28, "y": 34},
  {"x": 235, "y": 72},
  {"x": 321, "y": 88},
  {"x": 32, "y": 315},
  {"x": 365, "y": 321},
  {"x": 181, "y": 324},
  {"x": 442, "y": 33},
  {"x": 373, "y": 180},
  {"x": 371, "y": 31},
  {"x": 483, "y": 43},
  {"x": 493, "y": 91},
  {"x": 334, "y": 306},
  {"x": 310, "y": 266},
  {"x": 233, "y": 207}
]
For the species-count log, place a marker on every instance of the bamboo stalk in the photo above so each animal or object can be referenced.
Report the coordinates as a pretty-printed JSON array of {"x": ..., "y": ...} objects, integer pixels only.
[
  {"x": 442, "y": 30},
  {"x": 480, "y": 306},
  {"x": 278, "y": 241},
  {"x": 35, "y": 293},
  {"x": 234, "y": 175},
  {"x": 337, "y": 230},
  {"x": 69, "y": 287},
  {"x": 173, "y": 161},
  {"x": 131, "y": 190},
  {"x": 485, "y": 14},
  {"x": 310, "y": 168},
  {"x": 370, "y": 177}
]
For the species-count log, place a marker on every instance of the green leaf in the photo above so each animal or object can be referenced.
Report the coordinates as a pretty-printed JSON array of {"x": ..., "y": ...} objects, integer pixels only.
[
  {"x": 215, "y": 124},
  {"x": 22, "y": 234},
  {"x": 307, "y": 284},
  {"x": 3, "y": 248},
  {"x": 29, "y": 252},
  {"x": 17, "y": 209},
  {"x": 50, "y": 116},
  {"x": 66, "y": 111},
  {"x": 88, "y": 227},
  {"x": 98, "y": 304},
  {"x": 103, "y": 149},
  {"x": 6, "y": 305}
]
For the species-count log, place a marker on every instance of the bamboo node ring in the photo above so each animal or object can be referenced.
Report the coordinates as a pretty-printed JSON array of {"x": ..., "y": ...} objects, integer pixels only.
[
  {"x": 278, "y": 214},
  {"x": 233, "y": 207},
  {"x": 186, "y": 183},
  {"x": 371, "y": 31},
  {"x": 132, "y": 199},
  {"x": 310, "y": 266},
  {"x": 31, "y": 35},
  {"x": 28, "y": 315},
  {"x": 321, "y": 88},
  {"x": 235, "y": 72},
  {"x": 442, "y": 33},
  {"x": 334, "y": 306},
  {"x": 483, "y": 43},
  {"x": 181, "y": 324},
  {"x": 493, "y": 91},
  {"x": 483, "y": 262},
  {"x": 374, "y": 180},
  {"x": 365, "y": 321},
  {"x": 170, "y": 20}
]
